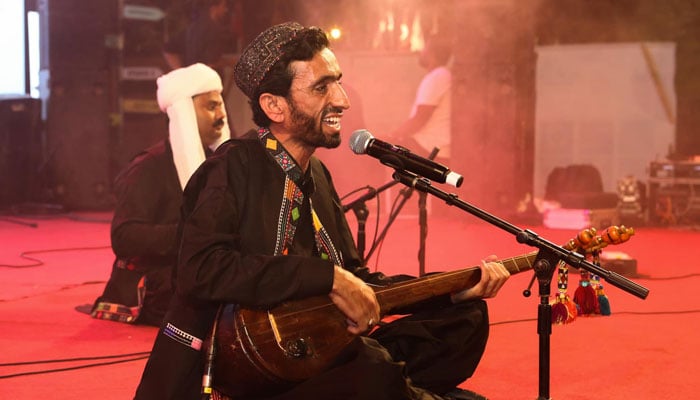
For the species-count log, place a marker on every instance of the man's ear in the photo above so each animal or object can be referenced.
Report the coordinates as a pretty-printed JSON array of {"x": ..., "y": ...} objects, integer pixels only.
[{"x": 274, "y": 106}]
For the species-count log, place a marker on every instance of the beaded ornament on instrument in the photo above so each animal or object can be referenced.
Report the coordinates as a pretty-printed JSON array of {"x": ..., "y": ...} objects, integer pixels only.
[{"x": 589, "y": 297}]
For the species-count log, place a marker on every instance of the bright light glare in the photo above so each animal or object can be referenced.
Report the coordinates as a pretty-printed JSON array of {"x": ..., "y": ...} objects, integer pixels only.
[
  {"x": 12, "y": 45},
  {"x": 33, "y": 32},
  {"x": 403, "y": 28},
  {"x": 335, "y": 33}
]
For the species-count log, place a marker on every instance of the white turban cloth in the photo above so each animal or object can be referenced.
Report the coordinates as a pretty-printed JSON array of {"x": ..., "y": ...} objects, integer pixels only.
[{"x": 175, "y": 92}]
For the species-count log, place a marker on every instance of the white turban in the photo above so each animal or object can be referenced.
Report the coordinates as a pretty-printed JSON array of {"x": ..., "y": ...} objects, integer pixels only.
[{"x": 175, "y": 92}]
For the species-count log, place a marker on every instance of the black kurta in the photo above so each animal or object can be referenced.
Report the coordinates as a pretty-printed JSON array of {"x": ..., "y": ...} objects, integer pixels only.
[
  {"x": 144, "y": 232},
  {"x": 230, "y": 221}
]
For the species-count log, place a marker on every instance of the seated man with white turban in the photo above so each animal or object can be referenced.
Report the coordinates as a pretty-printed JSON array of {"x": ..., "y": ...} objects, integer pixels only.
[{"x": 149, "y": 193}]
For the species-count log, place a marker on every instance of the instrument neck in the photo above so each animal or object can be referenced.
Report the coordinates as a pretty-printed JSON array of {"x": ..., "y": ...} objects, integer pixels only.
[{"x": 426, "y": 287}]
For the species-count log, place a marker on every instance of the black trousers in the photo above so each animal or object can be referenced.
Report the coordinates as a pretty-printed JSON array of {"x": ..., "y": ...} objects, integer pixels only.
[{"x": 420, "y": 356}]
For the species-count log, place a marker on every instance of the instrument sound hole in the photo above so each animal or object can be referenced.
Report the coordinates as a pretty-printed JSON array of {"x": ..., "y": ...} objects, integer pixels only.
[{"x": 296, "y": 348}]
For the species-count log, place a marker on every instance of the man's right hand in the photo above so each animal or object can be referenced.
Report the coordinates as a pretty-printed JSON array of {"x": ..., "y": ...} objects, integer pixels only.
[{"x": 355, "y": 299}]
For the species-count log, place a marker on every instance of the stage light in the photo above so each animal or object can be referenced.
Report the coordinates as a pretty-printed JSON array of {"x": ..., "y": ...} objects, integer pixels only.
[
  {"x": 335, "y": 33},
  {"x": 403, "y": 28}
]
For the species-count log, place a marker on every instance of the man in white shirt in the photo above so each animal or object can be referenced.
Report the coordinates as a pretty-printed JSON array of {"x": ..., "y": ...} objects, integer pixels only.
[{"x": 429, "y": 123}]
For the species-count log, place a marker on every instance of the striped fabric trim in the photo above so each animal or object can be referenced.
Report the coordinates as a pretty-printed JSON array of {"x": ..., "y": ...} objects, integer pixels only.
[{"x": 182, "y": 337}]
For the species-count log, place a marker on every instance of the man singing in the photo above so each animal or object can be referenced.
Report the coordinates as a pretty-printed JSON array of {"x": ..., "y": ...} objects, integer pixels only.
[{"x": 262, "y": 225}]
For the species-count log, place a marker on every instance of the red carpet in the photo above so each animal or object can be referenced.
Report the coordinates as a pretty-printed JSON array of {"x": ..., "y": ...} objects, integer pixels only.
[{"x": 647, "y": 349}]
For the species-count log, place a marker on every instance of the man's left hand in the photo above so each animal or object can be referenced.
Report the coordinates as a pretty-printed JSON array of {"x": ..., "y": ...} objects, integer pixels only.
[{"x": 493, "y": 276}]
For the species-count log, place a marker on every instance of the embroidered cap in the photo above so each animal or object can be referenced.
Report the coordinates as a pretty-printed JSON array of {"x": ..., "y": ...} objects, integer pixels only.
[{"x": 261, "y": 54}]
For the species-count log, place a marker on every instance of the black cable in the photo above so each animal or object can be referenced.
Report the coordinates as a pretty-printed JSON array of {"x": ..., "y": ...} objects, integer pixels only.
[
  {"x": 668, "y": 278},
  {"x": 47, "y": 371},
  {"x": 657, "y": 312},
  {"x": 38, "y": 262},
  {"x": 208, "y": 376},
  {"x": 17, "y": 217},
  {"x": 376, "y": 230},
  {"x": 37, "y": 210},
  {"x": 59, "y": 360},
  {"x": 19, "y": 222},
  {"x": 356, "y": 190},
  {"x": 80, "y": 218},
  {"x": 514, "y": 321},
  {"x": 379, "y": 208},
  {"x": 378, "y": 245}
]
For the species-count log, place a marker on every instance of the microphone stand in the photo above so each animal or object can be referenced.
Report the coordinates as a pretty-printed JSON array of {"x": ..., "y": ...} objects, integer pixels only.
[
  {"x": 422, "y": 218},
  {"x": 423, "y": 224},
  {"x": 549, "y": 254},
  {"x": 359, "y": 207},
  {"x": 406, "y": 193},
  {"x": 423, "y": 221}
]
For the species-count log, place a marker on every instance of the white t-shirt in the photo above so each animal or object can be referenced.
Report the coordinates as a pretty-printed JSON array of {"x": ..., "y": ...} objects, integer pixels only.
[{"x": 434, "y": 90}]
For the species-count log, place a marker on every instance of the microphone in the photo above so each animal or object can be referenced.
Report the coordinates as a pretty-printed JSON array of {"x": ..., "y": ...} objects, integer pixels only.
[{"x": 401, "y": 158}]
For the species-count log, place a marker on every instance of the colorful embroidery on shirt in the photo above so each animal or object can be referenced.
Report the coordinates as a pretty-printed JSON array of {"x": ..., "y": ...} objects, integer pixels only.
[{"x": 292, "y": 199}]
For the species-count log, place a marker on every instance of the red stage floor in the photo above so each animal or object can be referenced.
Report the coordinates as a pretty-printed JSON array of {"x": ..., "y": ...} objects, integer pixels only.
[{"x": 647, "y": 349}]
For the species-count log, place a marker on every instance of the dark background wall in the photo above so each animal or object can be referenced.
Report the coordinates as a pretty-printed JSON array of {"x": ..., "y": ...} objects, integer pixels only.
[{"x": 96, "y": 120}]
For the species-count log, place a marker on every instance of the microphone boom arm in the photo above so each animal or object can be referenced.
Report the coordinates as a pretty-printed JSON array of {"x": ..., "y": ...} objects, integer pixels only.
[
  {"x": 522, "y": 236},
  {"x": 371, "y": 193}
]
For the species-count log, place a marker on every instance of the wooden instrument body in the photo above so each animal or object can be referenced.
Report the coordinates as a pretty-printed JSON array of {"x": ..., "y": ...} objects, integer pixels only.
[
  {"x": 264, "y": 352},
  {"x": 267, "y": 351}
]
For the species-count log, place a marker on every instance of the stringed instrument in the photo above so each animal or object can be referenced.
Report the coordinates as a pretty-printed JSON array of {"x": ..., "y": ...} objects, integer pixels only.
[{"x": 264, "y": 352}]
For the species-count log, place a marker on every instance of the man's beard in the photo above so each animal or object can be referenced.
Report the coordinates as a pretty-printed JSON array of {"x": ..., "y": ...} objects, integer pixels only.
[{"x": 311, "y": 132}]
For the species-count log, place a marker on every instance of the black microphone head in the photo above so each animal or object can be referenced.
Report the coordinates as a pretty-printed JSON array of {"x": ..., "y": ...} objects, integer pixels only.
[{"x": 359, "y": 140}]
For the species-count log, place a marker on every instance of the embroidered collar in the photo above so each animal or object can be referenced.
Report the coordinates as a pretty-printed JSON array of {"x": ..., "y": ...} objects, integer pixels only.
[{"x": 292, "y": 199}]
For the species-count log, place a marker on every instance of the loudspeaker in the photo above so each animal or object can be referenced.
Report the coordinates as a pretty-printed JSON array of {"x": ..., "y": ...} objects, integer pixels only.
[
  {"x": 20, "y": 148},
  {"x": 143, "y": 124},
  {"x": 80, "y": 132},
  {"x": 78, "y": 33},
  {"x": 80, "y": 57}
]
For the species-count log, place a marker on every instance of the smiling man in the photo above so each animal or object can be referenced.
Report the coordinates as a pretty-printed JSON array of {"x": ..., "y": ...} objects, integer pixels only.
[{"x": 262, "y": 225}]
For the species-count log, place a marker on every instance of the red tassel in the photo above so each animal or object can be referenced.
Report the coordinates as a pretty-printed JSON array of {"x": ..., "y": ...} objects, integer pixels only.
[
  {"x": 585, "y": 297},
  {"x": 560, "y": 314},
  {"x": 563, "y": 310}
]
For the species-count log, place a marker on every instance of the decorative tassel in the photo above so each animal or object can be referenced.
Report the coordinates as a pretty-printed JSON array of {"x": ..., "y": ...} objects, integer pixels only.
[
  {"x": 560, "y": 313},
  {"x": 603, "y": 301},
  {"x": 563, "y": 310},
  {"x": 571, "y": 307},
  {"x": 585, "y": 296}
]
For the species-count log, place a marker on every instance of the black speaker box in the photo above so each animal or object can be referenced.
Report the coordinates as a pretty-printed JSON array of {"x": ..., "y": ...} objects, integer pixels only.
[
  {"x": 79, "y": 33},
  {"x": 80, "y": 133},
  {"x": 20, "y": 148}
]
